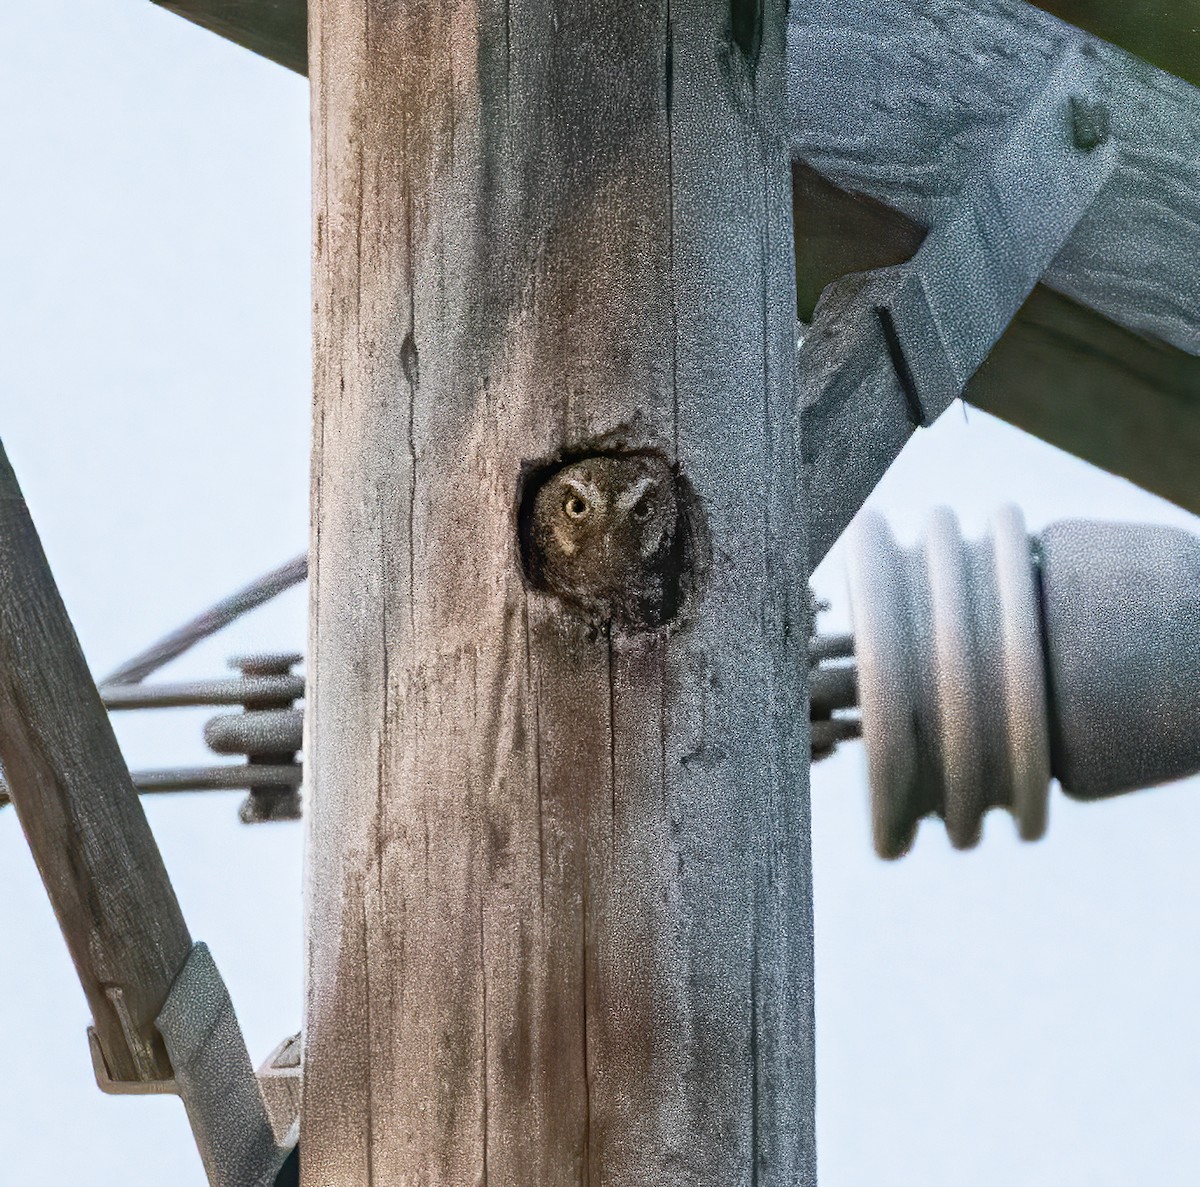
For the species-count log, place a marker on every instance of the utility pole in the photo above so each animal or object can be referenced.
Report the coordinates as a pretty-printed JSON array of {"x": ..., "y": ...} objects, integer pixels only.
[
  {"x": 558, "y": 892},
  {"x": 573, "y": 458}
]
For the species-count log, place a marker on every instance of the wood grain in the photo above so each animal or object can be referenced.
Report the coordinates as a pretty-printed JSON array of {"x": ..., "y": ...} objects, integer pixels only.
[
  {"x": 558, "y": 887},
  {"x": 899, "y": 102},
  {"x": 1166, "y": 35},
  {"x": 79, "y": 810}
]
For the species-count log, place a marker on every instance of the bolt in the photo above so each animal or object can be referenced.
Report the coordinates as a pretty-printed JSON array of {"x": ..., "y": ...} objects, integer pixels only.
[
  {"x": 1091, "y": 122},
  {"x": 268, "y": 803}
]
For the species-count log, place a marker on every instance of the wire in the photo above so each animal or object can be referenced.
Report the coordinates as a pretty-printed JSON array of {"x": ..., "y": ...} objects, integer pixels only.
[{"x": 212, "y": 620}]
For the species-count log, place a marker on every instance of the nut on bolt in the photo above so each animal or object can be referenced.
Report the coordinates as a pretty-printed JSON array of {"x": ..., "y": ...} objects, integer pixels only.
[{"x": 268, "y": 732}]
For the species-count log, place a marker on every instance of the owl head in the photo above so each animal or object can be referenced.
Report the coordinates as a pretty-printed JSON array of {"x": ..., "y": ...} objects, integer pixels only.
[{"x": 603, "y": 535}]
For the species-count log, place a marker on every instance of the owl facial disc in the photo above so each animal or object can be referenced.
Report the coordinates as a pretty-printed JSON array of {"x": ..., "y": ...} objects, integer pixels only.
[{"x": 605, "y": 534}]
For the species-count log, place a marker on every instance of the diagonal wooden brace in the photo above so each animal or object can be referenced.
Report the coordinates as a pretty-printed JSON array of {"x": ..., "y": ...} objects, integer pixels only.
[
  {"x": 71, "y": 790},
  {"x": 162, "y": 1017},
  {"x": 890, "y": 350}
]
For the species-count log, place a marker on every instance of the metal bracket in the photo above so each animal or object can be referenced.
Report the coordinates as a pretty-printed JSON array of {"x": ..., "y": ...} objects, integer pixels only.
[
  {"x": 266, "y": 732},
  {"x": 280, "y": 1078},
  {"x": 111, "y": 1087},
  {"x": 220, "y": 1090},
  {"x": 215, "y": 1078},
  {"x": 890, "y": 350}
]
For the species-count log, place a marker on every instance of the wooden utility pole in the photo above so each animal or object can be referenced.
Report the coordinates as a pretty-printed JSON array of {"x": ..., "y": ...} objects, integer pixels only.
[{"x": 558, "y": 892}]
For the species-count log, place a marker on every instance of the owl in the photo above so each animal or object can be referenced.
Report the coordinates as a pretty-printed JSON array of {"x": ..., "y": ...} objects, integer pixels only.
[{"x": 604, "y": 538}]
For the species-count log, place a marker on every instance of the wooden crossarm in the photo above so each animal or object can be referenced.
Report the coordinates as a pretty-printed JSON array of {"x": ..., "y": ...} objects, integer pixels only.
[{"x": 276, "y": 29}]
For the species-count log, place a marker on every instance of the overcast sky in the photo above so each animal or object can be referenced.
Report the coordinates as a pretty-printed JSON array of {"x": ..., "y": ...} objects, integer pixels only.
[{"x": 1016, "y": 1016}]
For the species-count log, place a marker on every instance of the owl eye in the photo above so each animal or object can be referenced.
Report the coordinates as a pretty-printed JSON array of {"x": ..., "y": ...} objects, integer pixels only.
[
  {"x": 574, "y": 506},
  {"x": 643, "y": 509}
]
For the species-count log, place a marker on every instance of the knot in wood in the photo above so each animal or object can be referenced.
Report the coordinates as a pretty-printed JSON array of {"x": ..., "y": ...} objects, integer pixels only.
[{"x": 606, "y": 534}]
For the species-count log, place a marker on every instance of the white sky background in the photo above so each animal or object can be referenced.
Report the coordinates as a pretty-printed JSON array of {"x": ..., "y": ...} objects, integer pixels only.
[{"x": 1017, "y": 1016}]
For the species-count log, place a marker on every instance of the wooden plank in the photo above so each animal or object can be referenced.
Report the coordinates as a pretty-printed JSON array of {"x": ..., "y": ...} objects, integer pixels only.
[
  {"x": 889, "y": 350},
  {"x": 843, "y": 233},
  {"x": 1120, "y": 401},
  {"x": 81, "y": 815},
  {"x": 558, "y": 873},
  {"x": 868, "y": 111},
  {"x": 276, "y": 29},
  {"x": 1165, "y": 34},
  {"x": 899, "y": 102}
]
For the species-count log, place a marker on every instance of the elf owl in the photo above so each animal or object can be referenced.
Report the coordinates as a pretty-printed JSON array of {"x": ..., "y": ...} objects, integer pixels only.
[{"x": 604, "y": 536}]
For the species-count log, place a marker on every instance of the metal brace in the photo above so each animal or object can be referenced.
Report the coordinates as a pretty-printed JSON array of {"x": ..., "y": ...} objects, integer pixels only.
[
  {"x": 890, "y": 350},
  {"x": 224, "y": 1100}
]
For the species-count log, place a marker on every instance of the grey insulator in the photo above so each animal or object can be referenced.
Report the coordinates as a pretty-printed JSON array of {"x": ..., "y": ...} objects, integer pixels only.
[
  {"x": 951, "y": 678},
  {"x": 1122, "y": 622},
  {"x": 257, "y": 733},
  {"x": 985, "y": 668}
]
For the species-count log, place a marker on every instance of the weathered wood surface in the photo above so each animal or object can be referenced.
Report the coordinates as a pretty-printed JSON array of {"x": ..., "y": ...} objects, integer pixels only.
[
  {"x": 276, "y": 29},
  {"x": 891, "y": 349},
  {"x": 1120, "y": 401},
  {"x": 1125, "y": 403},
  {"x": 900, "y": 101},
  {"x": 558, "y": 889},
  {"x": 79, "y": 810}
]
